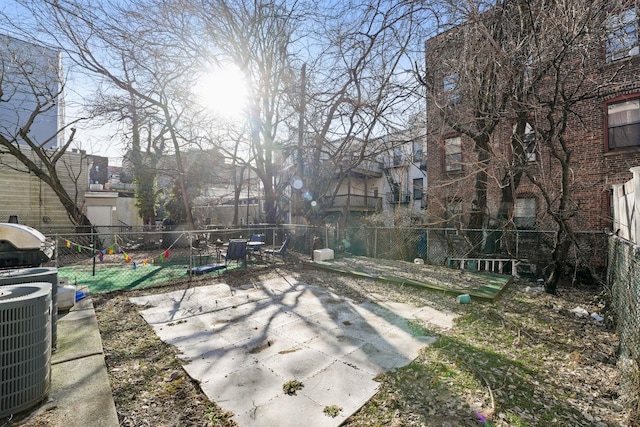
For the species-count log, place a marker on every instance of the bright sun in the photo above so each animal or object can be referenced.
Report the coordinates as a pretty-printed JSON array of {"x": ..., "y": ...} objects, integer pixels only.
[{"x": 224, "y": 92}]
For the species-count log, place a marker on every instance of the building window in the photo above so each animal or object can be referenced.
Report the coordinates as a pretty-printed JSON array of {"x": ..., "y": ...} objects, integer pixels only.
[
  {"x": 453, "y": 154},
  {"x": 418, "y": 188},
  {"x": 623, "y": 121},
  {"x": 451, "y": 88},
  {"x": 417, "y": 152},
  {"x": 528, "y": 142},
  {"x": 524, "y": 212},
  {"x": 622, "y": 35}
]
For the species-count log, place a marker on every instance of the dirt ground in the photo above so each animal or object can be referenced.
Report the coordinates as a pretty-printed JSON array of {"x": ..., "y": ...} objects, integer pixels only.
[{"x": 150, "y": 388}]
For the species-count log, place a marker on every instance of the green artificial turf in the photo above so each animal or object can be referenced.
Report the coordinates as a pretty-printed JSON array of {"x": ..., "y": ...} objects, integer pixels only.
[
  {"x": 107, "y": 279},
  {"x": 490, "y": 286}
]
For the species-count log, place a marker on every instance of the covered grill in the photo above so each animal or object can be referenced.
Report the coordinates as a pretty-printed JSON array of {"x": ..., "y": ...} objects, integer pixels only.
[{"x": 23, "y": 246}]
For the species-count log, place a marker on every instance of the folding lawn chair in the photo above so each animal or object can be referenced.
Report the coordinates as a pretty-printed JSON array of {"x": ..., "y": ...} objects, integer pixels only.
[{"x": 281, "y": 251}]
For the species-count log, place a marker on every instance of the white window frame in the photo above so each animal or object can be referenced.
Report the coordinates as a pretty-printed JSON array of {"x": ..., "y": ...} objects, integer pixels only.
[
  {"x": 451, "y": 89},
  {"x": 619, "y": 115},
  {"x": 453, "y": 154},
  {"x": 417, "y": 152},
  {"x": 529, "y": 141},
  {"x": 418, "y": 190}
]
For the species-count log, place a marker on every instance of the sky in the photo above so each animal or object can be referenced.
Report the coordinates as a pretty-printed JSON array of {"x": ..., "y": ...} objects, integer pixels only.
[
  {"x": 93, "y": 138},
  {"x": 104, "y": 139}
]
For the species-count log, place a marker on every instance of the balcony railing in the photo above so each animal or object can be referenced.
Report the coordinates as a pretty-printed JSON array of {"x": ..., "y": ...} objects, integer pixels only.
[{"x": 354, "y": 202}]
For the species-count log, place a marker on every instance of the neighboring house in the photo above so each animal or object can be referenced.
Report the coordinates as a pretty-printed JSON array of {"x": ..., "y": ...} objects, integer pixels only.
[
  {"x": 109, "y": 204},
  {"x": 217, "y": 203},
  {"x": 386, "y": 186},
  {"x": 211, "y": 186},
  {"x": 30, "y": 81},
  {"x": 31, "y": 74},
  {"x": 603, "y": 136},
  {"x": 98, "y": 172},
  {"x": 352, "y": 193},
  {"x": 404, "y": 180},
  {"x": 32, "y": 201}
]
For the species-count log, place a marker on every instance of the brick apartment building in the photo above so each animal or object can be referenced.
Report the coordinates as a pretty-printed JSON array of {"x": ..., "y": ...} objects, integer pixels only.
[{"x": 500, "y": 97}]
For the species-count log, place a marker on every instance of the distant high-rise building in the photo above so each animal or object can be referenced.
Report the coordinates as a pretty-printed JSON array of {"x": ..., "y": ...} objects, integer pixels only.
[{"x": 31, "y": 90}]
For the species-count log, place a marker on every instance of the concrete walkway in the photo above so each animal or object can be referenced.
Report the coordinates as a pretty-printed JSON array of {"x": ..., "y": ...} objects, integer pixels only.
[
  {"x": 80, "y": 393},
  {"x": 243, "y": 345}
]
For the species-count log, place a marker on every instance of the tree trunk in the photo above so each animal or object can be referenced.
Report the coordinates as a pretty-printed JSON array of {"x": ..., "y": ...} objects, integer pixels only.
[
  {"x": 559, "y": 257},
  {"x": 144, "y": 175},
  {"x": 512, "y": 177},
  {"x": 180, "y": 168},
  {"x": 479, "y": 209}
]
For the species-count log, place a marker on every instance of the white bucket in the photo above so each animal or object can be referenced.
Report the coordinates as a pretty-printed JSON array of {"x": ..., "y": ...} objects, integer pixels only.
[{"x": 66, "y": 297}]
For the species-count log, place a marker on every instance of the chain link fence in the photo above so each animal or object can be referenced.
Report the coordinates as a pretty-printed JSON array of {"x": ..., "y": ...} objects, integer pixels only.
[
  {"x": 624, "y": 279},
  {"x": 532, "y": 248},
  {"x": 117, "y": 258},
  {"x": 113, "y": 259},
  {"x": 130, "y": 259}
]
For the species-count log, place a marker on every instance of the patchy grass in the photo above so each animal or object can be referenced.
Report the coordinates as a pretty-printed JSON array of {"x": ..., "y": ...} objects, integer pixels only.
[
  {"x": 332, "y": 411},
  {"x": 291, "y": 387},
  {"x": 521, "y": 362}
]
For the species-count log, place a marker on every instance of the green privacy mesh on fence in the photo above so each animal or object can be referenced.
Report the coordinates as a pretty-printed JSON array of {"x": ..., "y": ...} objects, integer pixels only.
[
  {"x": 624, "y": 279},
  {"x": 438, "y": 245}
]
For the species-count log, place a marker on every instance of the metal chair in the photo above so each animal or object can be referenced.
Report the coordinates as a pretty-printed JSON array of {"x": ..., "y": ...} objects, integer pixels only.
[
  {"x": 254, "y": 245},
  {"x": 237, "y": 250},
  {"x": 256, "y": 238},
  {"x": 201, "y": 247}
]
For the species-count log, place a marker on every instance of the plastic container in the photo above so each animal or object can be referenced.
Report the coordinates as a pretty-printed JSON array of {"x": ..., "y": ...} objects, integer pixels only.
[
  {"x": 66, "y": 297},
  {"x": 464, "y": 299},
  {"x": 323, "y": 254}
]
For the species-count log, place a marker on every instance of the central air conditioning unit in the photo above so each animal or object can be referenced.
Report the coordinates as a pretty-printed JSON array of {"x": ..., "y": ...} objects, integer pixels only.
[
  {"x": 25, "y": 346},
  {"x": 17, "y": 276}
]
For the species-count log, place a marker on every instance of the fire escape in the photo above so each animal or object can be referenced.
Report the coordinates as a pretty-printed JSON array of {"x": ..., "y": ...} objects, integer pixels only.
[{"x": 398, "y": 194}]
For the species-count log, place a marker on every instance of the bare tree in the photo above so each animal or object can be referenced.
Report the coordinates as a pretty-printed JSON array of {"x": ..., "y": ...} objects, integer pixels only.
[
  {"x": 564, "y": 84},
  {"x": 480, "y": 63},
  {"x": 257, "y": 38},
  {"x": 31, "y": 86},
  {"x": 359, "y": 88},
  {"x": 523, "y": 72},
  {"x": 122, "y": 47}
]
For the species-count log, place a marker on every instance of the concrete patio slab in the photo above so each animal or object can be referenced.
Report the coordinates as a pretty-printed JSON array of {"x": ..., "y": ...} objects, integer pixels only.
[{"x": 243, "y": 345}]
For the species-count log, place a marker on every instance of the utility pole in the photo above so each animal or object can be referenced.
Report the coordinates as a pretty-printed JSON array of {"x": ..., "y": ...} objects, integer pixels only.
[
  {"x": 300, "y": 162},
  {"x": 248, "y": 191}
]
